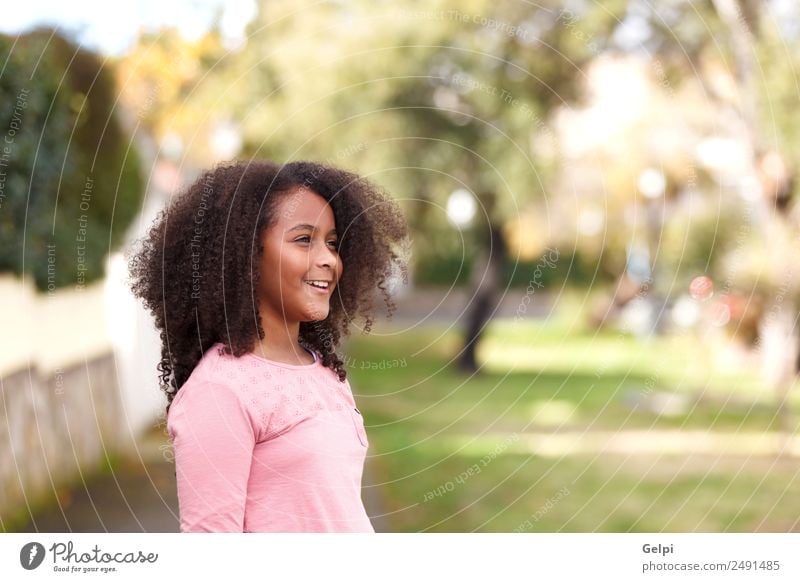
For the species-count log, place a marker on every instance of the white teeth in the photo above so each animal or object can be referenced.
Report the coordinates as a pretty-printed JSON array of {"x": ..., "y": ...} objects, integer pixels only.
[{"x": 320, "y": 284}]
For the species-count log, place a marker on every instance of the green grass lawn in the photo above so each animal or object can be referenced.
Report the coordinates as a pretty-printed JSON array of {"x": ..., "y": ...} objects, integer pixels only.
[{"x": 451, "y": 453}]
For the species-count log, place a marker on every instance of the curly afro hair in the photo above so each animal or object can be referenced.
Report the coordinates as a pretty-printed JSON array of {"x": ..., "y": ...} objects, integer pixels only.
[{"x": 197, "y": 270}]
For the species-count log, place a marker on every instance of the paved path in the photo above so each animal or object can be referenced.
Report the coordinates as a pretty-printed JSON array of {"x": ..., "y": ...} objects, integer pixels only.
[
  {"x": 138, "y": 496},
  {"x": 437, "y": 305}
]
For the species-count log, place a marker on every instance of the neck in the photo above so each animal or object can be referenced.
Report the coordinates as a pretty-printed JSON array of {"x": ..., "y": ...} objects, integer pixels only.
[{"x": 281, "y": 339}]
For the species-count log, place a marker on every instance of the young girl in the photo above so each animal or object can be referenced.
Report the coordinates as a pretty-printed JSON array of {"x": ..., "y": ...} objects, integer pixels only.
[{"x": 253, "y": 276}]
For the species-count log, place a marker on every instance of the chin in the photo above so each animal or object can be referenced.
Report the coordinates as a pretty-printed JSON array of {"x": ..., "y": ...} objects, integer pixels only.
[{"x": 318, "y": 315}]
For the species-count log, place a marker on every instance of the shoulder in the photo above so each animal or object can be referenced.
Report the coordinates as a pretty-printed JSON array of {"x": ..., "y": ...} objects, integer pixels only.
[
  {"x": 220, "y": 376},
  {"x": 206, "y": 407},
  {"x": 221, "y": 369},
  {"x": 214, "y": 393}
]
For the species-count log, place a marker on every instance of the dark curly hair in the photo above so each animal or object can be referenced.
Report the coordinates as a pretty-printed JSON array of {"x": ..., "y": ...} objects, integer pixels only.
[{"x": 220, "y": 218}]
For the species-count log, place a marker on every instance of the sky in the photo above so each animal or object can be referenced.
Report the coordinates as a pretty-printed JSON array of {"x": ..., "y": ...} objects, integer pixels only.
[{"x": 111, "y": 27}]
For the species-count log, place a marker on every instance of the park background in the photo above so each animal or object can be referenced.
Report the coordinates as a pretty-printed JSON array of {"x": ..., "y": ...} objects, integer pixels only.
[{"x": 598, "y": 327}]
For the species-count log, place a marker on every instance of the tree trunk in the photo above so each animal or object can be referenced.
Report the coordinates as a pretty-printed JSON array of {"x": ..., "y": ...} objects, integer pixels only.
[
  {"x": 779, "y": 341},
  {"x": 484, "y": 284}
]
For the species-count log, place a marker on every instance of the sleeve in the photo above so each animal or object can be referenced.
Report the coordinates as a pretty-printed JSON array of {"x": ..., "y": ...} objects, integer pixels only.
[{"x": 213, "y": 437}]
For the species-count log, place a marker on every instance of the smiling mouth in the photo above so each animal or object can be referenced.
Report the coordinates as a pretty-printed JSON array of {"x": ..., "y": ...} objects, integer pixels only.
[{"x": 321, "y": 286}]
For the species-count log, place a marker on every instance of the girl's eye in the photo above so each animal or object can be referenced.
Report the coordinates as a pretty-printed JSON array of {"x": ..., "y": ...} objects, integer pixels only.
[{"x": 333, "y": 243}]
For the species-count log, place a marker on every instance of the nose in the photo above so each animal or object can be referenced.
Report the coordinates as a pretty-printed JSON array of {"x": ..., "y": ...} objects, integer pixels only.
[{"x": 326, "y": 257}]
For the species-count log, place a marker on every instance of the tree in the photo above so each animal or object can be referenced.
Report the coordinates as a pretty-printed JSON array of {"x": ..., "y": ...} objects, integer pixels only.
[
  {"x": 72, "y": 179},
  {"x": 748, "y": 72}
]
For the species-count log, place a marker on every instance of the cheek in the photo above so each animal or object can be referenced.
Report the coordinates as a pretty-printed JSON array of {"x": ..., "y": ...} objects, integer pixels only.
[
  {"x": 282, "y": 262},
  {"x": 273, "y": 274}
]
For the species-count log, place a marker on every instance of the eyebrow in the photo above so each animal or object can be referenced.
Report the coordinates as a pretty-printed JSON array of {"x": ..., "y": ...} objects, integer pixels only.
[{"x": 305, "y": 226}]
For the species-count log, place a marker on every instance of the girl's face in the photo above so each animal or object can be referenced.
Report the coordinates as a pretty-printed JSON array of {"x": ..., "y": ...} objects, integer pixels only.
[{"x": 300, "y": 248}]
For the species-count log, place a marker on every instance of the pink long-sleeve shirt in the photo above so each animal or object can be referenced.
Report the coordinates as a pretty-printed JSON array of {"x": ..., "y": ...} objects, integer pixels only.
[{"x": 262, "y": 446}]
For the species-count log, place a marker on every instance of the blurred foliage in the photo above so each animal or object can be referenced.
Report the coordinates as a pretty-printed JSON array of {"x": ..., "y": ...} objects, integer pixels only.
[
  {"x": 696, "y": 239},
  {"x": 536, "y": 276},
  {"x": 158, "y": 78},
  {"x": 427, "y": 98},
  {"x": 744, "y": 62},
  {"x": 780, "y": 88},
  {"x": 399, "y": 92},
  {"x": 72, "y": 174}
]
